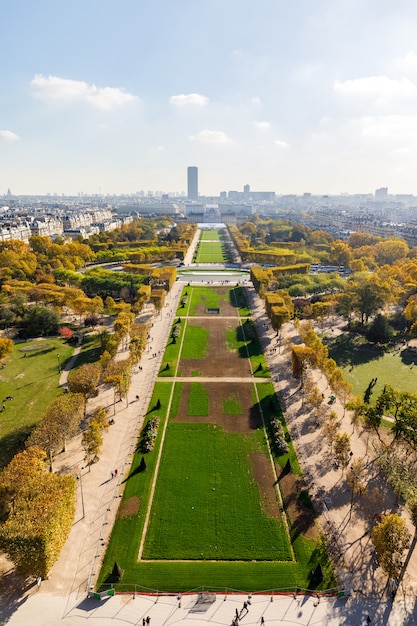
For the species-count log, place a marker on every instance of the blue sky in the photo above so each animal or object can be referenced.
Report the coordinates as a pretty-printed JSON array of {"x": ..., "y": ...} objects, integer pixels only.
[{"x": 106, "y": 96}]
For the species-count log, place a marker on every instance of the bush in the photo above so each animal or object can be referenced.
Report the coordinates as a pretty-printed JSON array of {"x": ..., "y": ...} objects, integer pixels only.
[
  {"x": 149, "y": 434},
  {"x": 278, "y": 436}
]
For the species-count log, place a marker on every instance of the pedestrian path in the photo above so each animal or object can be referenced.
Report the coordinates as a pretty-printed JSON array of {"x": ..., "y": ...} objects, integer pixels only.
[{"x": 206, "y": 609}]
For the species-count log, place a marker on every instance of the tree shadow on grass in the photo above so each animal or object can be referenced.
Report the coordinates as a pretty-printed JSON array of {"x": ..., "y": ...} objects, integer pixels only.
[
  {"x": 12, "y": 443},
  {"x": 348, "y": 349},
  {"x": 409, "y": 356},
  {"x": 237, "y": 298}
]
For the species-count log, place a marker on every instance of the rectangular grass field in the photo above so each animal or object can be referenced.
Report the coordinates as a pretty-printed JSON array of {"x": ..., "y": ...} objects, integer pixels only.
[{"x": 206, "y": 503}]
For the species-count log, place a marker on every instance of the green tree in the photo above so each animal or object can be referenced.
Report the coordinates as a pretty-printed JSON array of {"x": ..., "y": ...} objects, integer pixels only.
[
  {"x": 40, "y": 320},
  {"x": 379, "y": 330}
]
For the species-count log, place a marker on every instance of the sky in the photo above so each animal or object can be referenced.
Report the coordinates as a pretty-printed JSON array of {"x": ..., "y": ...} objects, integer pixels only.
[{"x": 119, "y": 96}]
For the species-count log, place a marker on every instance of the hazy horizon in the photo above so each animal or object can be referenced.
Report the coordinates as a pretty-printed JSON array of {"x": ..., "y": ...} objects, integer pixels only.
[{"x": 112, "y": 98}]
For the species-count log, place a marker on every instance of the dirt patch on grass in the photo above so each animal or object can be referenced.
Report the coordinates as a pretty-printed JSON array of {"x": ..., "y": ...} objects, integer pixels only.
[
  {"x": 246, "y": 422},
  {"x": 264, "y": 476},
  {"x": 220, "y": 361},
  {"x": 302, "y": 518},
  {"x": 128, "y": 507}
]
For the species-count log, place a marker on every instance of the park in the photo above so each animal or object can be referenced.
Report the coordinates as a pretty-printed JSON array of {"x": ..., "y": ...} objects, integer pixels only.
[{"x": 215, "y": 517}]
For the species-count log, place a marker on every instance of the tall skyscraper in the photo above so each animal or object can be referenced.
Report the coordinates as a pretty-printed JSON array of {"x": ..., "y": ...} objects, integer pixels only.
[{"x": 192, "y": 183}]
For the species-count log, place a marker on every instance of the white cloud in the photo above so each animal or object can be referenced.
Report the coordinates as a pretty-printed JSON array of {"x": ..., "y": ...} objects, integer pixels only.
[
  {"x": 72, "y": 91},
  {"x": 261, "y": 125},
  {"x": 377, "y": 87},
  {"x": 281, "y": 144},
  {"x": 407, "y": 63},
  {"x": 160, "y": 148},
  {"x": 391, "y": 129},
  {"x": 191, "y": 99},
  {"x": 211, "y": 136},
  {"x": 7, "y": 135},
  {"x": 256, "y": 100}
]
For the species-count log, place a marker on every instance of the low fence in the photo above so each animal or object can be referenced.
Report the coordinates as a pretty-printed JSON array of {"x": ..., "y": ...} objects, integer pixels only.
[{"x": 111, "y": 589}]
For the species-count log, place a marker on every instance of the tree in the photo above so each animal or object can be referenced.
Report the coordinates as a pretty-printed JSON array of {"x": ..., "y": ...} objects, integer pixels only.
[
  {"x": 342, "y": 449},
  {"x": 100, "y": 418},
  {"x": 391, "y": 538},
  {"x": 302, "y": 357},
  {"x": 379, "y": 331},
  {"x": 46, "y": 435},
  {"x": 40, "y": 520},
  {"x": 330, "y": 428},
  {"x": 66, "y": 332},
  {"x": 118, "y": 374},
  {"x": 91, "y": 442},
  {"x": 357, "y": 406},
  {"x": 412, "y": 505},
  {"x": 6, "y": 346},
  {"x": 19, "y": 473},
  {"x": 85, "y": 379},
  {"x": 61, "y": 421},
  {"x": 315, "y": 397},
  {"x": 39, "y": 320}
]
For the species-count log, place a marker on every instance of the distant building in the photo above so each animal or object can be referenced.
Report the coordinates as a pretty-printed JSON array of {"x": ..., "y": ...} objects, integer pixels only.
[
  {"x": 192, "y": 183},
  {"x": 381, "y": 194}
]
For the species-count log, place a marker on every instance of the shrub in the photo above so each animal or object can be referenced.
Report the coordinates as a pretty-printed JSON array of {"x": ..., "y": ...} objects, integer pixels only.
[
  {"x": 149, "y": 434},
  {"x": 278, "y": 436}
]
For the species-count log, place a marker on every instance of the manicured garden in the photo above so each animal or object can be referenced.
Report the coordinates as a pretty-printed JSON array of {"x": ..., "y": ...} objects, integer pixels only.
[
  {"x": 215, "y": 518},
  {"x": 211, "y": 248},
  {"x": 198, "y": 300},
  {"x": 210, "y": 235}
]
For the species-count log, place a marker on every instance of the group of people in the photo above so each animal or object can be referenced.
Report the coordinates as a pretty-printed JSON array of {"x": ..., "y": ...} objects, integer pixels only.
[{"x": 245, "y": 610}]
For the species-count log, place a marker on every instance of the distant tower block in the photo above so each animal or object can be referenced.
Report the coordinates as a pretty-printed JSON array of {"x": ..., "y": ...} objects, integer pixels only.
[{"x": 192, "y": 181}]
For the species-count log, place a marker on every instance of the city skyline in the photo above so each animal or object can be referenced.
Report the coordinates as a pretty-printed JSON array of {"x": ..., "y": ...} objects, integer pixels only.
[{"x": 107, "y": 99}]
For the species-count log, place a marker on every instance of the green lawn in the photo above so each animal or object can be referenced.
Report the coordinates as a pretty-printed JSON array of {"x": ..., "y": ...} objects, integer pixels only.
[
  {"x": 232, "y": 406},
  {"x": 211, "y": 298},
  {"x": 210, "y": 235},
  {"x": 171, "y": 353},
  {"x": 198, "y": 403},
  {"x": 32, "y": 380},
  {"x": 206, "y": 504},
  {"x": 271, "y": 408},
  {"x": 235, "y": 496},
  {"x": 211, "y": 252},
  {"x": 195, "y": 344},
  {"x": 207, "y": 527},
  {"x": 361, "y": 362}
]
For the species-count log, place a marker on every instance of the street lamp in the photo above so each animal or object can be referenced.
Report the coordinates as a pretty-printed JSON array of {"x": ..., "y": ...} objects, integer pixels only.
[
  {"x": 125, "y": 387},
  {"x": 81, "y": 491}
]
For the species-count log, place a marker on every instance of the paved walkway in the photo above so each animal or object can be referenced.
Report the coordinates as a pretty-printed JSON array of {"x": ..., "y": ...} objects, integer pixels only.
[
  {"x": 62, "y": 598},
  {"x": 48, "y": 610}
]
